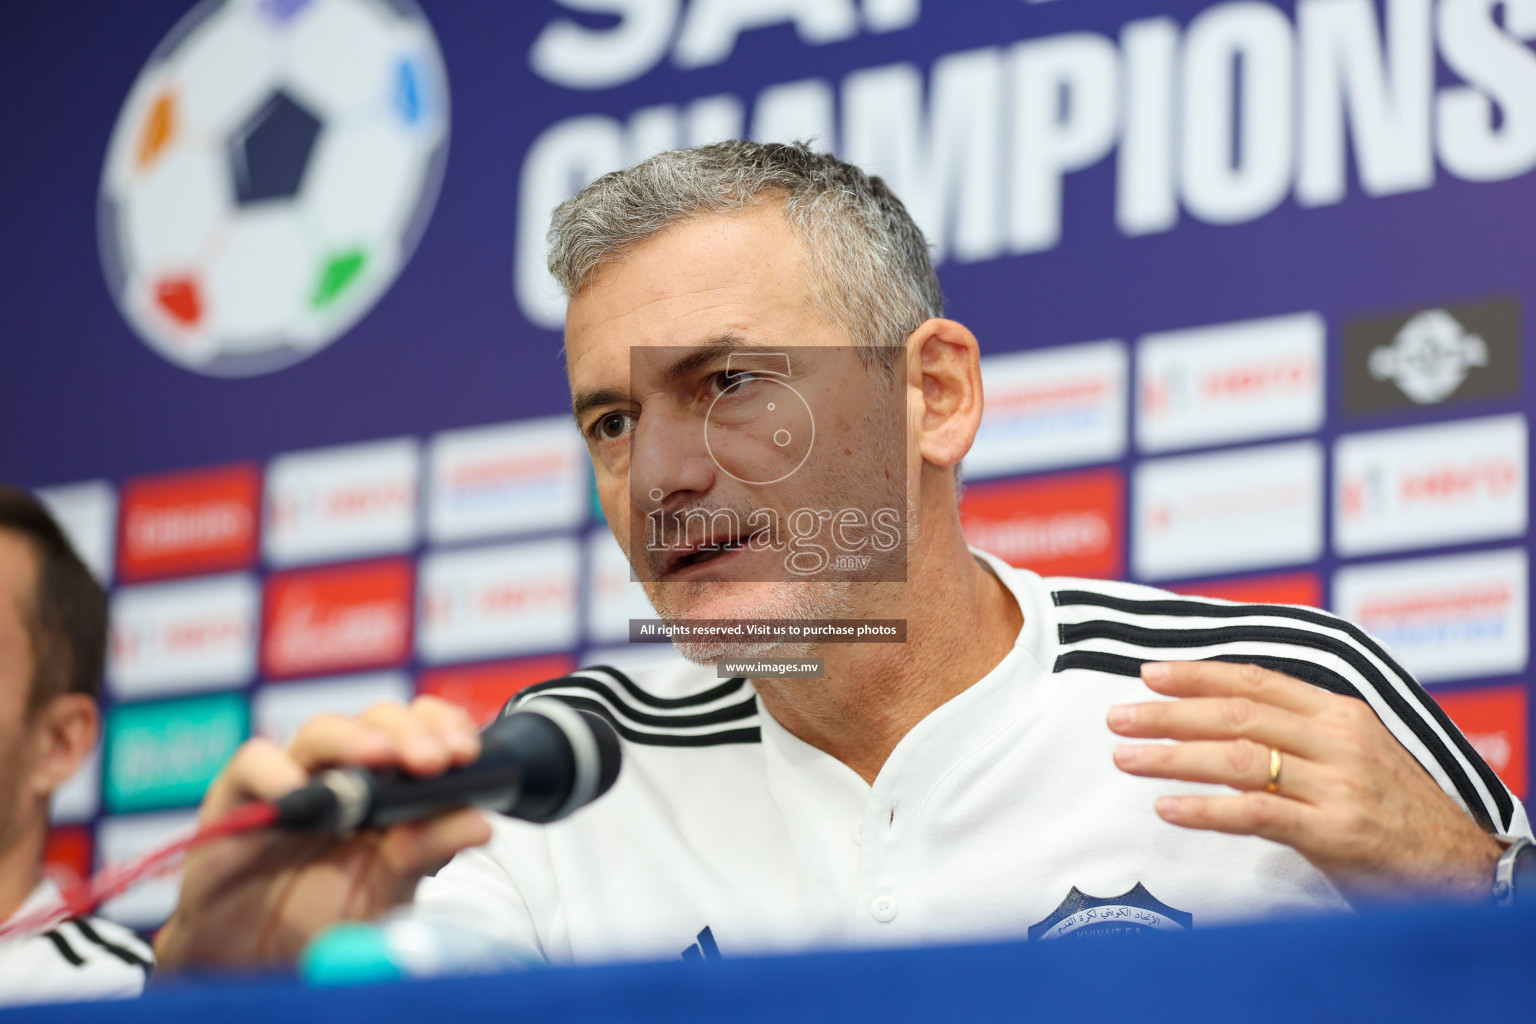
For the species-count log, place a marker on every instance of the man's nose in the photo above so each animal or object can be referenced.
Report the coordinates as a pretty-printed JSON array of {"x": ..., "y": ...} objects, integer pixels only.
[{"x": 669, "y": 459}]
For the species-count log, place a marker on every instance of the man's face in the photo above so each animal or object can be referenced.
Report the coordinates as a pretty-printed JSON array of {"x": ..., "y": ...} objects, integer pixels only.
[
  {"x": 18, "y": 575},
  {"x": 656, "y": 346}
]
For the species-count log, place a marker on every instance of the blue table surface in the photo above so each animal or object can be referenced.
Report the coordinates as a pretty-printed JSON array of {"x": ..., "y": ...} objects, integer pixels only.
[{"x": 1422, "y": 964}]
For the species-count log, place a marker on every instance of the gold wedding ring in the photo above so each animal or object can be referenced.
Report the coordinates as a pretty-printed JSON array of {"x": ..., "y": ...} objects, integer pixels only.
[{"x": 1273, "y": 786}]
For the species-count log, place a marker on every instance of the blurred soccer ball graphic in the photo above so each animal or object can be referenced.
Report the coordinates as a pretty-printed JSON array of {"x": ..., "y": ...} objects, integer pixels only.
[{"x": 270, "y": 172}]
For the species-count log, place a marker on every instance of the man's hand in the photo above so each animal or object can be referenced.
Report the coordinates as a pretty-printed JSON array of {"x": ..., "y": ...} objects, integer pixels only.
[
  {"x": 258, "y": 898},
  {"x": 1350, "y": 799}
]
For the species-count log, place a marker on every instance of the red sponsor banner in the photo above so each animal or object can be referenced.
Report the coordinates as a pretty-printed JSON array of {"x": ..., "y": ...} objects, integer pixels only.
[
  {"x": 337, "y": 619},
  {"x": 1279, "y": 588},
  {"x": 67, "y": 856},
  {"x": 1071, "y": 524},
  {"x": 205, "y": 520},
  {"x": 1494, "y": 720},
  {"x": 483, "y": 690}
]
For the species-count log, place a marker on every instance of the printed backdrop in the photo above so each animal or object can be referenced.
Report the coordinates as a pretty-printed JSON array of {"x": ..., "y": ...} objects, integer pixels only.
[{"x": 1252, "y": 279}]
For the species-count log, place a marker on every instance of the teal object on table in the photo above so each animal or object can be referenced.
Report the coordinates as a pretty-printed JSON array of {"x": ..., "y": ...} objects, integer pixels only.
[{"x": 352, "y": 953}]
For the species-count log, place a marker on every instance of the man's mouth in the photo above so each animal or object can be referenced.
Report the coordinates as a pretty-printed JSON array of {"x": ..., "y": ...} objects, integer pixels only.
[{"x": 703, "y": 554}]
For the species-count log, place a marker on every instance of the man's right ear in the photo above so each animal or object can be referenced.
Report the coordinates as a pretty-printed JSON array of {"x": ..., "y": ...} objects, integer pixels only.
[
  {"x": 944, "y": 360},
  {"x": 62, "y": 733}
]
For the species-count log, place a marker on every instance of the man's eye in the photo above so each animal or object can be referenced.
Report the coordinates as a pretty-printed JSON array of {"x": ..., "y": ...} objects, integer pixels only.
[
  {"x": 612, "y": 426},
  {"x": 727, "y": 379}
]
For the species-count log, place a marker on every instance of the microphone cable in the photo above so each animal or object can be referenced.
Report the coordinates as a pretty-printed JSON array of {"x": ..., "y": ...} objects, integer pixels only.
[
  {"x": 115, "y": 879},
  {"x": 539, "y": 763}
]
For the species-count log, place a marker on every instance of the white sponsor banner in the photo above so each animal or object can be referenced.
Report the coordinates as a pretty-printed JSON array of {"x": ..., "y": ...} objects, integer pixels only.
[
  {"x": 509, "y": 478},
  {"x": 191, "y": 635},
  {"x": 1230, "y": 382},
  {"x": 279, "y": 709},
  {"x": 1453, "y": 617},
  {"x": 87, "y": 512},
  {"x": 486, "y": 602},
  {"x": 1052, "y": 407},
  {"x": 1242, "y": 509},
  {"x": 124, "y": 838},
  {"x": 613, "y": 598},
  {"x": 342, "y": 502},
  {"x": 80, "y": 795},
  {"x": 1445, "y": 483}
]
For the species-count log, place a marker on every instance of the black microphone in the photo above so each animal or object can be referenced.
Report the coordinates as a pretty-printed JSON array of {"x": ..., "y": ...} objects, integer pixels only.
[{"x": 538, "y": 763}]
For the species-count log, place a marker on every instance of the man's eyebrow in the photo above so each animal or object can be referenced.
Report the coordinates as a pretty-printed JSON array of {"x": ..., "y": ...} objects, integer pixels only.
[
  {"x": 705, "y": 354},
  {"x": 589, "y": 400}
]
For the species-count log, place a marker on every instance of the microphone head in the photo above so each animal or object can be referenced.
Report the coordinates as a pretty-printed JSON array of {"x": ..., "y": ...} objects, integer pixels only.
[{"x": 595, "y": 756}]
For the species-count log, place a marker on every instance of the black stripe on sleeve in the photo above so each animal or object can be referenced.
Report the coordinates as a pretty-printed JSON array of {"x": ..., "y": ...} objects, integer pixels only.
[
  {"x": 65, "y": 950},
  {"x": 660, "y": 739},
  {"x": 714, "y": 693},
  {"x": 731, "y": 713},
  {"x": 1413, "y": 718},
  {"x": 123, "y": 953},
  {"x": 1121, "y": 665}
]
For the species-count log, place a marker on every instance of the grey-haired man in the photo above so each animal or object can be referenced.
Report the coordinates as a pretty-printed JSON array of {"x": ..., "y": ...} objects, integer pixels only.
[{"x": 965, "y": 783}]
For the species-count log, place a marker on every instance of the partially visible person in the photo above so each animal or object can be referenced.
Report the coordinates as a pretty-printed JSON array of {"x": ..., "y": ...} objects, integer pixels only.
[{"x": 53, "y": 631}]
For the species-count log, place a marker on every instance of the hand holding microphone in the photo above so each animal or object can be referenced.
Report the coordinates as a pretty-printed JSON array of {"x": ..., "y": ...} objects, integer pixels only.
[
  {"x": 371, "y": 804},
  {"x": 538, "y": 764}
]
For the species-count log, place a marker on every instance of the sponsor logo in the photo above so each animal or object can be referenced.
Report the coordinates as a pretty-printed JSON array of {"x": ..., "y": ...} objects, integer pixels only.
[
  {"x": 519, "y": 477},
  {"x": 613, "y": 595},
  {"x": 342, "y": 502},
  {"x": 1067, "y": 525},
  {"x": 67, "y": 856},
  {"x": 200, "y": 521},
  {"x": 337, "y": 619},
  {"x": 87, "y": 512},
  {"x": 703, "y": 948},
  {"x": 122, "y": 839},
  {"x": 1494, "y": 721},
  {"x": 1134, "y": 912},
  {"x": 164, "y": 754},
  {"x": 1420, "y": 486},
  {"x": 1302, "y": 588},
  {"x": 1453, "y": 617},
  {"x": 1241, "y": 509},
  {"x": 277, "y": 711},
  {"x": 1230, "y": 382},
  {"x": 1432, "y": 356},
  {"x": 189, "y": 635},
  {"x": 79, "y": 797},
  {"x": 483, "y": 690},
  {"x": 488, "y": 602},
  {"x": 1051, "y": 407},
  {"x": 269, "y": 174}
]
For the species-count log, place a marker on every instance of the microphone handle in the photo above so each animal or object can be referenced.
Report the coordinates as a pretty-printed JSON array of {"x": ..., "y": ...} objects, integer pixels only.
[
  {"x": 490, "y": 784},
  {"x": 343, "y": 800},
  {"x": 526, "y": 769}
]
